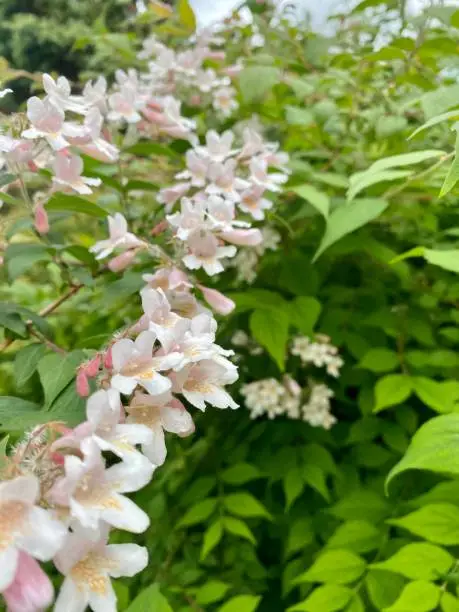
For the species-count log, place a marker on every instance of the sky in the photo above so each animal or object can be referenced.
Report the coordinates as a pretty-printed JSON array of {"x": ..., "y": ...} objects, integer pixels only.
[{"x": 212, "y": 10}]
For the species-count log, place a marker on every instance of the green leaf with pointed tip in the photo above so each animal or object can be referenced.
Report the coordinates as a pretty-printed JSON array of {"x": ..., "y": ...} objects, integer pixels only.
[
  {"x": 327, "y": 598},
  {"x": 334, "y": 566},
  {"x": 391, "y": 390},
  {"x": 418, "y": 561},
  {"x": 318, "y": 199},
  {"x": 212, "y": 537},
  {"x": 269, "y": 328},
  {"x": 241, "y": 603},
  {"x": 438, "y": 523},
  {"x": 418, "y": 596}
]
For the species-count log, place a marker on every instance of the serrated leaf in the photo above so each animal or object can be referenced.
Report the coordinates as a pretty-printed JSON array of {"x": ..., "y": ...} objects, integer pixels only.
[
  {"x": 418, "y": 596},
  {"x": 212, "y": 537},
  {"x": 438, "y": 523},
  {"x": 238, "y": 528},
  {"x": 391, "y": 390},
  {"x": 348, "y": 218},
  {"x": 26, "y": 361},
  {"x": 418, "y": 561},
  {"x": 270, "y": 329},
  {"x": 245, "y": 505},
  {"x": 334, "y": 566},
  {"x": 199, "y": 512}
]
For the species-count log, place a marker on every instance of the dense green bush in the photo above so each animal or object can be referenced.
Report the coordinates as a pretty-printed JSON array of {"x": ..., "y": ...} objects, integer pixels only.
[{"x": 274, "y": 514}]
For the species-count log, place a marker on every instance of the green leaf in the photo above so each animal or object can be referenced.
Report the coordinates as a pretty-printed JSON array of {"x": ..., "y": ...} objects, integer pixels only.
[
  {"x": 240, "y": 473},
  {"x": 327, "y": 598},
  {"x": 383, "y": 587},
  {"x": 361, "y": 505},
  {"x": 186, "y": 15},
  {"x": 69, "y": 407},
  {"x": 434, "y": 447},
  {"x": 245, "y": 505},
  {"x": 212, "y": 537},
  {"x": 20, "y": 257},
  {"x": 150, "y": 600},
  {"x": 361, "y": 180},
  {"x": 318, "y": 199},
  {"x": 391, "y": 390},
  {"x": 238, "y": 528},
  {"x": 438, "y": 523},
  {"x": 314, "y": 476},
  {"x": 405, "y": 159},
  {"x": 388, "y": 125},
  {"x": 13, "y": 322},
  {"x": 357, "y": 536},
  {"x": 348, "y": 218},
  {"x": 147, "y": 148},
  {"x": 380, "y": 360},
  {"x": 449, "y": 603},
  {"x": 270, "y": 329},
  {"x": 304, "y": 312},
  {"x": 293, "y": 486},
  {"x": 434, "y": 394},
  {"x": 448, "y": 260},
  {"x": 256, "y": 81},
  {"x": 241, "y": 603},
  {"x": 301, "y": 534},
  {"x": 296, "y": 115},
  {"x": 418, "y": 561},
  {"x": 334, "y": 566},
  {"x": 418, "y": 596},
  {"x": 123, "y": 288},
  {"x": 75, "y": 204},
  {"x": 26, "y": 362},
  {"x": 257, "y": 299},
  {"x": 56, "y": 371},
  {"x": 434, "y": 121},
  {"x": 212, "y": 591},
  {"x": 17, "y": 414},
  {"x": 355, "y": 605},
  {"x": 198, "y": 513}
]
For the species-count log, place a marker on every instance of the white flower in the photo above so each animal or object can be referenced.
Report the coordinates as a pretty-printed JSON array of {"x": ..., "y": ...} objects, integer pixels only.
[
  {"x": 259, "y": 175},
  {"x": 170, "y": 195},
  {"x": 253, "y": 143},
  {"x": 25, "y": 526},
  {"x": 88, "y": 566},
  {"x": 124, "y": 105},
  {"x": 253, "y": 202},
  {"x": 218, "y": 147},
  {"x": 317, "y": 411},
  {"x": 119, "y": 238},
  {"x": 264, "y": 397},
  {"x": 67, "y": 175},
  {"x": 167, "y": 326},
  {"x": 203, "y": 382},
  {"x": 95, "y": 94},
  {"x": 59, "y": 93},
  {"x": 224, "y": 101},
  {"x": 159, "y": 413},
  {"x": 190, "y": 218},
  {"x": 320, "y": 353},
  {"x": 224, "y": 182},
  {"x": 47, "y": 122},
  {"x": 206, "y": 253},
  {"x": 134, "y": 364},
  {"x": 94, "y": 494},
  {"x": 197, "y": 169}
]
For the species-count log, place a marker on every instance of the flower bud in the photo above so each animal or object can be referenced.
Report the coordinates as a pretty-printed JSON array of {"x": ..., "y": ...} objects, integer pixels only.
[
  {"x": 121, "y": 262},
  {"x": 31, "y": 589},
  {"x": 108, "y": 361},
  {"x": 82, "y": 384},
  {"x": 41, "y": 219},
  {"x": 219, "y": 302},
  {"x": 243, "y": 237},
  {"x": 92, "y": 368}
]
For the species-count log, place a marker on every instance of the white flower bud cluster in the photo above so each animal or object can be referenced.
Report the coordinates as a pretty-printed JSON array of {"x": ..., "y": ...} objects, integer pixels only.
[
  {"x": 320, "y": 353},
  {"x": 316, "y": 411},
  {"x": 269, "y": 397}
]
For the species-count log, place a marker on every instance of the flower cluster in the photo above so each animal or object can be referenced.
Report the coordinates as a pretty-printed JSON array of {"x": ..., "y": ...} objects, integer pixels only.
[
  {"x": 311, "y": 402},
  {"x": 219, "y": 181}
]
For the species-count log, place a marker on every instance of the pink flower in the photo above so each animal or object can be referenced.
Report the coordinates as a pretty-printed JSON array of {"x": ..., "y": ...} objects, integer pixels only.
[
  {"x": 190, "y": 218},
  {"x": 82, "y": 384},
  {"x": 203, "y": 382},
  {"x": 67, "y": 175},
  {"x": 47, "y": 122},
  {"x": 124, "y": 105},
  {"x": 123, "y": 261},
  {"x": 219, "y": 302},
  {"x": 224, "y": 101},
  {"x": 41, "y": 219},
  {"x": 119, "y": 238},
  {"x": 259, "y": 175},
  {"x": 223, "y": 180},
  {"x": 197, "y": 169},
  {"x": 218, "y": 147},
  {"x": 31, "y": 589},
  {"x": 242, "y": 237},
  {"x": 253, "y": 202},
  {"x": 170, "y": 195},
  {"x": 205, "y": 252}
]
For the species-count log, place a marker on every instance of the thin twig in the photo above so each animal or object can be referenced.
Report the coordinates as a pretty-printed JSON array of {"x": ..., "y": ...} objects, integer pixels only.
[{"x": 48, "y": 343}]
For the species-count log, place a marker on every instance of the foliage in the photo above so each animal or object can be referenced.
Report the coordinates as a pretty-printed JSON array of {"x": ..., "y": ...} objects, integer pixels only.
[{"x": 274, "y": 514}]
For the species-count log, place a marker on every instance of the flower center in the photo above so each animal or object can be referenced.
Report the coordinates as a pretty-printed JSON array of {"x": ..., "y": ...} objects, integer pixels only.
[
  {"x": 90, "y": 571},
  {"x": 12, "y": 518}
]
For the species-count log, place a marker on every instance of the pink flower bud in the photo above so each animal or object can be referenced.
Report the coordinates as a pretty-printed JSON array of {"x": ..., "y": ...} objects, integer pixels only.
[
  {"x": 31, "y": 589},
  {"x": 82, "y": 384},
  {"x": 92, "y": 368},
  {"x": 121, "y": 262},
  {"x": 195, "y": 100},
  {"x": 159, "y": 228},
  {"x": 154, "y": 116},
  {"x": 108, "y": 361},
  {"x": 41, "y": 219},
  {"x": 216, "y": 55},
  {"x": 219, "y": 302},
  {"x": 243, "y": 237}
]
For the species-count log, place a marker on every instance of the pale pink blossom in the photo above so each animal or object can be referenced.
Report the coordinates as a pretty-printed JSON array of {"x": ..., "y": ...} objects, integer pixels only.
[
  {"x": 190, "y": 218},
  {"x": 59, "y": 92},
  {"x": 159, "y": 413},
  {"x": 88, "y": 566},
  {"x": 242, "y": 237},
  {"x": 205, "y": 252},
  {"x": 31, "y": 589},
  {"x": 197, "y": 167},
  {"x": 67, "y": 175},
  {"x": 224, "y": 182},
  {"x": 134, "y": 364},
  {"x": 219, "y": 302},
  {"x": 202, "y": 383},
  {"x": 253, "y": 202},
  {"x": 166, "y": 325},
  {"x": 224, "y": 101},
  {"x": 124, "y": 105},
  {"x": 95, "y": 94},
  {"x": 120, "y": 238},
  {"x": 218, "y": 147},
  {"x": 259, "y": 175},
  {"x": 170, "y": 195},
  {"x": 94, "y": 494},
  {"x": 122, "y": 261},
  {"x": 25, "y": 526},
  {"x": 15, "y": 151},
  {"x": 46, "y": 121}
]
